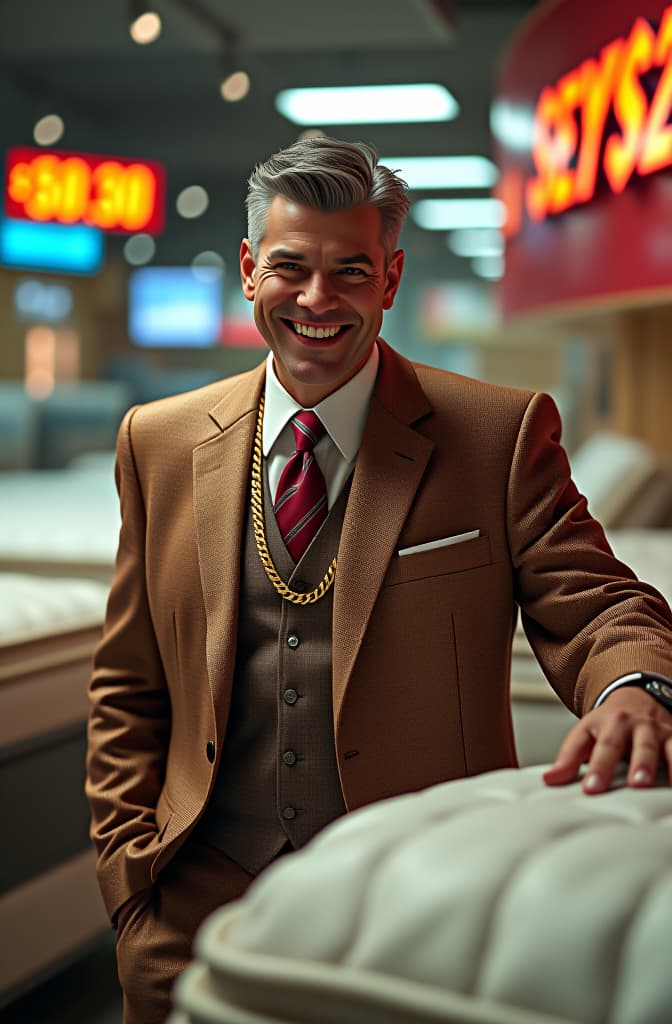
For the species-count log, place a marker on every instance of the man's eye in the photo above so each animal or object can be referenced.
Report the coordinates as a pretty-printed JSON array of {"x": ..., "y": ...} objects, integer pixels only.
[
  {"x": 287, "y": 265},
  {"x": 353, "y": 272}
]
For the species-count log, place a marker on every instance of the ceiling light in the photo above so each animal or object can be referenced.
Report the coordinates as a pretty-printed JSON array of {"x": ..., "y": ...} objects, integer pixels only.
[
  {"x": 470, "y": 242},
  {"x": 489, "y": 267},
  {"x": 208, "y": 265},
  {"x": 446, "y": 214},
  {"x": 139, "y": 249},
  {"x": 368, "y": 104},
  {"x": 192, "y": 202},
  {"x": 512, "y": 126},
  {"x": 48, "y": 130},
  {"x": 146, "y": 29},
  {"x": 235, "y": 87},
  {"x": 443, "y": 171}
]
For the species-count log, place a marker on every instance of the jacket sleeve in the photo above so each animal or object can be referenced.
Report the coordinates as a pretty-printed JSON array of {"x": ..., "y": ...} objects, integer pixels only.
[
  {"x": 588, "y": 618},
  {"x": 129, "y": 720}
]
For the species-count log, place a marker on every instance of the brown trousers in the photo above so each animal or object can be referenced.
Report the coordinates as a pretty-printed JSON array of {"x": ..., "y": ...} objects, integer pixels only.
[{"x": 157, "y": 929}]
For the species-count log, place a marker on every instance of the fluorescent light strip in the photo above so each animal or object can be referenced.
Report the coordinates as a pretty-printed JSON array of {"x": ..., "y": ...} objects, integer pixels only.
[
  {"x": 368, "y": 104},
  {"x": 443, "y": 171},
  {"x": 470, "y": 242},
  {"x": 489, "y": 267},
  {"x": 446, "y": 214}
]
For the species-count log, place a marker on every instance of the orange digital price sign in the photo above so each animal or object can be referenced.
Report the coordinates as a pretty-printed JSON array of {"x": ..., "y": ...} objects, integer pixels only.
[{"x": 111, "y": 193}]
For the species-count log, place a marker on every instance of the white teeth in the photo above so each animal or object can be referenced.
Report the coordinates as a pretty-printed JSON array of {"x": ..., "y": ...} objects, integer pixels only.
[{"x": 315, "y": 332}]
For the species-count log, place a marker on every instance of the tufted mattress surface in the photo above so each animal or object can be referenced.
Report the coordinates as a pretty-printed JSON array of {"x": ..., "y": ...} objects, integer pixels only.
[
  {"x": 62, "y": 521},
  {"x": 33, "y": 607},
  {"x": 491, "y": 900}
]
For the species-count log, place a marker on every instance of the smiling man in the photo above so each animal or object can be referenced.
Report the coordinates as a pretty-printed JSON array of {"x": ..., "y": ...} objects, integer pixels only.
[
  {"x": 319, "y": 571},
  {"x": 319, "y": 282}
]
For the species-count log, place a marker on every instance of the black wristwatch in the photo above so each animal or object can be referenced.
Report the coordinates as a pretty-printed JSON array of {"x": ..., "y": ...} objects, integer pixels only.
[{"x": 657, "y": 688}]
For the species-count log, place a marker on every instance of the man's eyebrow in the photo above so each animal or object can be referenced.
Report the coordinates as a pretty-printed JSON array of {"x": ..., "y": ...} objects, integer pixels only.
[
  {"x": 360, "y": 257},
  {"x": 285, "y": 254},
  {"x": 299, "y": 257}
]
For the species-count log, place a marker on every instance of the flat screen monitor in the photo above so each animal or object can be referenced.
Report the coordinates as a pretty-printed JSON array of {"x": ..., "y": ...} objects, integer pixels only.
[{"x": 175, "y": 307}]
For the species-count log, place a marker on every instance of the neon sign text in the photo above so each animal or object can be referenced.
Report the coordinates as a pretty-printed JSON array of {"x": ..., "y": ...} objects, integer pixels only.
[{"x": 572, "y": 118}]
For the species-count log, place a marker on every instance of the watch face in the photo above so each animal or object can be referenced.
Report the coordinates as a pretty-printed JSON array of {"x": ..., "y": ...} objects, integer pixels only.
[
  {"x": 665, "y": 690},
  {"x": 662, "y": 691}
]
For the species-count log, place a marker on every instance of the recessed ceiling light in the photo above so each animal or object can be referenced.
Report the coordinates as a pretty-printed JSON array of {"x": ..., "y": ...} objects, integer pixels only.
[
  {"x": 443, "y": 171},
  {"x": 146, "y": 29},
  {"x": 48, "y": 130},
  {"x": 235, "y": 87},
  {"x": 139, "y": 249},
  {"x": 446, "y": 214},
  {"x": 368, "y": 104},
  {"x": 208, "y": 265},
  {"x": 192, "y": 202}
]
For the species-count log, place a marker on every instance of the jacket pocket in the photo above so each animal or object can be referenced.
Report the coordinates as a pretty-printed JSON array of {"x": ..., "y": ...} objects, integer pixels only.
[
  {"x": 470, "y": 554},
  {"x": 164, "y": 812}
]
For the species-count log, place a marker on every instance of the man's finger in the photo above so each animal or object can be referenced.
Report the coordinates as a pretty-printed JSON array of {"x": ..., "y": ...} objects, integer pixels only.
[
  {"x": 645, "y": 755},
  {"x": 611, "y": 745},
  {"x": 574, "y": 751}
]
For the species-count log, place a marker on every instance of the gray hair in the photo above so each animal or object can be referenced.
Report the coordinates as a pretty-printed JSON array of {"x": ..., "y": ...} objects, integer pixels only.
[{"x": 328, "y": 175}]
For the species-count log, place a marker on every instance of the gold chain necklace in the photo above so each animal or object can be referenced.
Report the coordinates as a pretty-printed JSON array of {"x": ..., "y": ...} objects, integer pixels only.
[{"x": 257, "y": 504}]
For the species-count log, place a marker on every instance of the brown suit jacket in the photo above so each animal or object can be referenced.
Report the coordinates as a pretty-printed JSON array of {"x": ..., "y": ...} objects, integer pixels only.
[{"x": 421, "y": 644}]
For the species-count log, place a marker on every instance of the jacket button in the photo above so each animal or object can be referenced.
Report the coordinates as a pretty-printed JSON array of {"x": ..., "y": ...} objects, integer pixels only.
[
  {"x": 288, "y": 813},
  {"x": 289, "y": 758},
  {"x": 290, "y": 696},
  {"x": 210, "y": 751},
  {"x": 293, "y": 641}
]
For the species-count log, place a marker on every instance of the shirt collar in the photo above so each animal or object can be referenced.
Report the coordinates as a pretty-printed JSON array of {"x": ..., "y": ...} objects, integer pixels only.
[{"x": 343, "y": 412}]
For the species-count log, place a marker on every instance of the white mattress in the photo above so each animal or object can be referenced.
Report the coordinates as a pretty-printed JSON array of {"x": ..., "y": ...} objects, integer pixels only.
[
  {"x": 34, "y": 608},
  {"x": 60, "y": 520},
  {"x": 492, "y": 900}
]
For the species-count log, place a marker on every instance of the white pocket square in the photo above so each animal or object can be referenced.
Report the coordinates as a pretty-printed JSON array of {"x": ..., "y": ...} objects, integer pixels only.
[{"x": 457, "y": 538}]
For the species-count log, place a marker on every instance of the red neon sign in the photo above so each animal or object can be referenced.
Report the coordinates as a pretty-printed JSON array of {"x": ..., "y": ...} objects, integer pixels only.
[
  {"x": 572, "y": 116},
  {"x": 111, "y": 193}
]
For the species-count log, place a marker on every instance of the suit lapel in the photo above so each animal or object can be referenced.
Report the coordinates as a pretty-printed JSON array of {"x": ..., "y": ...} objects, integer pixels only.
[
  {"x": 221, "y": 467},
  {"x": 390, "y": 465}
]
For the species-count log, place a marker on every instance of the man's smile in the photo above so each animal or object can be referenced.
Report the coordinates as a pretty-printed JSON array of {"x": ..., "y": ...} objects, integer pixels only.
[{"x": 316, "y": 331}]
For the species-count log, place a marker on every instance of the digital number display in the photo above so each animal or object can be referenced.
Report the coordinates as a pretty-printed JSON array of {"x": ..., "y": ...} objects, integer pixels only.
[{"x": 111, "y": 193}]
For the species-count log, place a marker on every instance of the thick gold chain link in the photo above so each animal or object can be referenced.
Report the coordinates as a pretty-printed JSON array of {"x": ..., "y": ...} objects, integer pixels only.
[{"x": 257, "y": 504}]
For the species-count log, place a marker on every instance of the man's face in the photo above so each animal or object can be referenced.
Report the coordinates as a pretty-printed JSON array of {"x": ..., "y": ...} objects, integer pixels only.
[{"x": 319, "y": 288}]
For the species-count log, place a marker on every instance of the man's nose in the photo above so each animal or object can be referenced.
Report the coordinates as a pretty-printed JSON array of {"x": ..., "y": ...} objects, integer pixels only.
[{"x": 318, "y": 294}]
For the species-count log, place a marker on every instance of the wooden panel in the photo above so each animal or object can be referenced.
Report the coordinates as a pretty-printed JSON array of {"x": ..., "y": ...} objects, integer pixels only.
[{"x": 643, "y": 377}]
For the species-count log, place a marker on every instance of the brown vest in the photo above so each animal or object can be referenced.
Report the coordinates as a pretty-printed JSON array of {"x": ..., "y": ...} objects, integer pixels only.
[{"x": 277, "y": 779}]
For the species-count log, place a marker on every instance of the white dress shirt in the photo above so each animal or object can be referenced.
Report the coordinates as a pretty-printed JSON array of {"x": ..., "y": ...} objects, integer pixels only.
[{"x": 343, "y": 414}]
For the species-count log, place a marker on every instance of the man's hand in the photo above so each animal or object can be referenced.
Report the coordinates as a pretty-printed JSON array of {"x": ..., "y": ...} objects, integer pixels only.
[{"x": 629, "y": 725}]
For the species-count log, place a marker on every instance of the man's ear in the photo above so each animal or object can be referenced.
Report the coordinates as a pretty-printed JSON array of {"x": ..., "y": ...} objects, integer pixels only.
[
  {"x": 247, "y": 268},
  {"x": 393, "y": 277}
]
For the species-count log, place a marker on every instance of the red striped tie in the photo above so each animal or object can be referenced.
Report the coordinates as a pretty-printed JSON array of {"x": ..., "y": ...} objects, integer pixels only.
[{"x": 301, "y": 499}]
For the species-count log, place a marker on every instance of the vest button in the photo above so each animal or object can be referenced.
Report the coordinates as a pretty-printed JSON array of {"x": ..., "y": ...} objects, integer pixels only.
[
  {"x": 293, "y": 641},
  {"x": 289, "y": 758},
  {"x": 290, "y": 696},
  {"x": 299, "y": 586},
  {"x": 288, "y": 813},
  {"x": 210, "y": 751}
]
